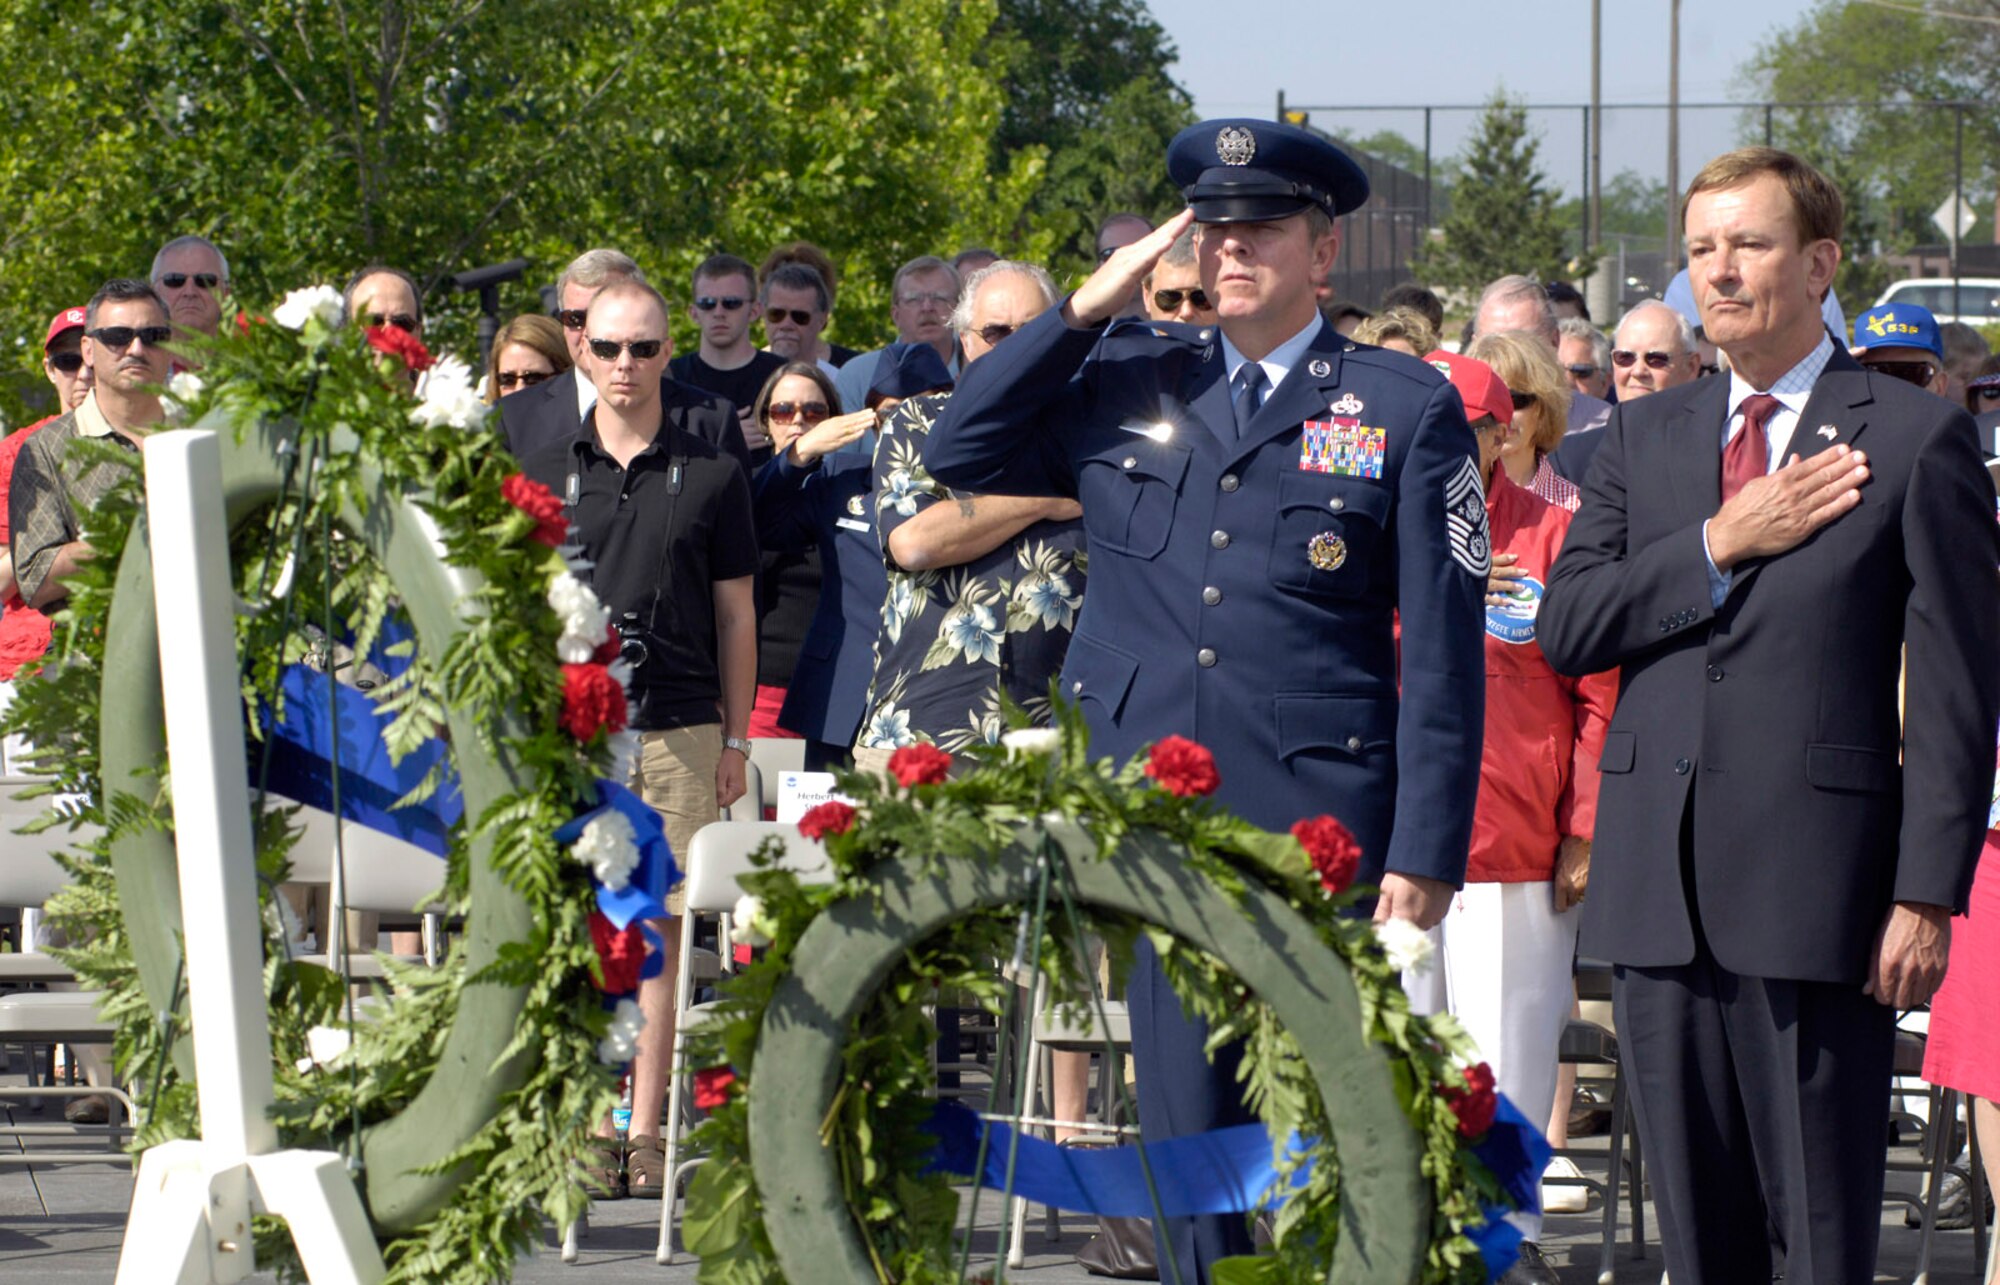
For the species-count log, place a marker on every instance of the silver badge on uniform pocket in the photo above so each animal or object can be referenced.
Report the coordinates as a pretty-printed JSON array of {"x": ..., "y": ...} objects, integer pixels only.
[
  {"x": 1327, "y": 551},
  {"x": 1348, "y": 404},
  {"x": 855, "y": 506}
]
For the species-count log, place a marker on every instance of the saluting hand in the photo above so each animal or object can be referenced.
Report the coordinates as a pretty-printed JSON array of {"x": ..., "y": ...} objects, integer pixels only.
[
  {"x": 829, "y": 435},
  {"x": 1115, "y": 280},
  {"x": 1777, "y": 512}
]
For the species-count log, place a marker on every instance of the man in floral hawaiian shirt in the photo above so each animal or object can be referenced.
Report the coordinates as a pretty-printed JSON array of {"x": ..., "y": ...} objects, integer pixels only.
[{"x": 983, "y": 589}]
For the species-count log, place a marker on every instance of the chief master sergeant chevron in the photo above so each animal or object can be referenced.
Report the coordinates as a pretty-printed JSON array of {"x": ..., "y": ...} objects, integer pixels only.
[{"x": 1259, "y": 503}]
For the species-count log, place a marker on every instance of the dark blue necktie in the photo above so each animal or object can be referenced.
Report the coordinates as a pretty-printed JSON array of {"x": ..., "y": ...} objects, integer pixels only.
[{"x": 1249, "y": 394}]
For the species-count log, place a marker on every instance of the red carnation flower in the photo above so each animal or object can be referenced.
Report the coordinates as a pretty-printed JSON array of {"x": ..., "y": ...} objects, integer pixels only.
[
  {"x": 832, "y": 817},
  {"x": 592, "y": 701},
  {"x": 1475, "y": 1103},
  {"x": 711, "y": 1086},
  {"x": 620, "y": 953},
  {"x": 396, "y": 342},
  {"x": 920, "y": 764},
  {"x": 1335, "y": 854},
  {"x": 539, "y": 503},
  {"x": 1183, "y": 767},
  {"x": 244, "y": 321}
]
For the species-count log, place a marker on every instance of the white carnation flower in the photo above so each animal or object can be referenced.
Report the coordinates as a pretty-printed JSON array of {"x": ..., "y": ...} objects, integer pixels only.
[
  {"x": 1408, "y": 947},
  {"x": 584, "y": 618},
  {"x": 610, "y": 847},
  {"x": 314, "y": 303},
  {"x": 185, "y": 387},
  {"x": 447, "y": 397},
  {"x": 323, "y": 1045},
  {"x": 748, "y": 924},
  {"x": 624, "y": 747},
  {"x": 622, "y": 1040},
  {"x": 1023, "y": 741}
]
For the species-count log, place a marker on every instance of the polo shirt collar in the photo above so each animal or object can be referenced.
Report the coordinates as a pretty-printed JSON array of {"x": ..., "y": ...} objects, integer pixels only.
[{"x": 90, "y": 421}]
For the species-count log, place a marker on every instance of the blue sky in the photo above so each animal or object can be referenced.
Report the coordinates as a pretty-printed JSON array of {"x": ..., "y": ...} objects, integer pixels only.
[{"x": 1235, "y": 57}]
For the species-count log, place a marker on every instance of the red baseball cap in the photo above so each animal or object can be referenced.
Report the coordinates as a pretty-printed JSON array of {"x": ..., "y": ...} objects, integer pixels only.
[
  {"x": 1482, "y": 390},
  {"x": 67, "y": 319}
]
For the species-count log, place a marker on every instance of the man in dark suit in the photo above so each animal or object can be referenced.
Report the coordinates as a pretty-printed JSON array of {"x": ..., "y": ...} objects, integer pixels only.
[
  {"x": 1758, "y": 555},
  {"x": 553, "y": 410},
  {"x": 1261, "y": 498}
]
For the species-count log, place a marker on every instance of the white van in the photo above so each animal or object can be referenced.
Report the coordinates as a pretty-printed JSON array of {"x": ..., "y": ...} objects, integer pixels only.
[{"x": 1978, "y": 298}]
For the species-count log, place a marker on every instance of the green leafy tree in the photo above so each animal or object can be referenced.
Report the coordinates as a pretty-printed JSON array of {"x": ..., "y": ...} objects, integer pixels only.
[
  {"x": 1503, "y": 216},
  {"x": 309, "y": 140},
  {"x": 1087, "y": 81}
]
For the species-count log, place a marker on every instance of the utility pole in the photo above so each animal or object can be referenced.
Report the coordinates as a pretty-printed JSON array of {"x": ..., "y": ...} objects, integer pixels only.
[
  {"x": 1596, "y": 236},
  {"x": 1673, "y": 241}
]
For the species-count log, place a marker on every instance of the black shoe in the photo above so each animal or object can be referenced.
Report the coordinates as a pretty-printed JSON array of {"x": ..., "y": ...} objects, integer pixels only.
[{"x": 1531, "y": 1269}]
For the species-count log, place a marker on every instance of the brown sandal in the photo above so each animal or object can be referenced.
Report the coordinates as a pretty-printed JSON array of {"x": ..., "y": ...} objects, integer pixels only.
[
  {"x": 606, "y": 1177},
  {"x": 645, "y": 1167}
]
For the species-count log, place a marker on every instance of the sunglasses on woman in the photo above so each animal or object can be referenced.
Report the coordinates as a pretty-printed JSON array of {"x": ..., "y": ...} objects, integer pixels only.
[
  {"x": 1521, "y": 400},
  {"x": 522, "y": 378},
  {"x": 67, "y": 362},
  {"x": 641, "y": 349},
  {"x": 807, "y": 413}
]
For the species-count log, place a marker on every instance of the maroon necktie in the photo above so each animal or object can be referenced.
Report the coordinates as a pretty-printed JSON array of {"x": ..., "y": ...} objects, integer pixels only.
[{"x": 1748, "y": 455}]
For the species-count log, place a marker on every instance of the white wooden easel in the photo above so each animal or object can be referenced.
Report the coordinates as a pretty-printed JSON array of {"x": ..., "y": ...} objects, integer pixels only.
[{"x": 191, "y": 1209}]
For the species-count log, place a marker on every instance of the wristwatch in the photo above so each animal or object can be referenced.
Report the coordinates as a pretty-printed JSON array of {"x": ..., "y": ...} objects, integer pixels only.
[{"x": 737, "y": 743}]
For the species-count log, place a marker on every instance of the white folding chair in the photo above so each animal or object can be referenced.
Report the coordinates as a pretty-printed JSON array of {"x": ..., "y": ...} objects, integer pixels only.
[
  {"x": 720, "y": 855},
  {"x": 776, "y": 755},
  {"x": 29, "y": 876},
  {"x": 751, "y": 806},
  {"x": 378, "y": 872}
]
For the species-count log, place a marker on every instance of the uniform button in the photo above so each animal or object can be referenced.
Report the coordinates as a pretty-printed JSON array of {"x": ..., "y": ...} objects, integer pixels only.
[
  {"x": 1714, "y": 673},
  {"x": 1211, "y": 596},
  {"x": 1230, "y": 482},
  {"x": 1664, "y": 626},
  {"x": 1076, "y": 687},
  {"x": 1336, "y": 504},
  {"x": 1205, "y": 658},
  {"x": 1681, "y": 767},
  {"x": 1354, "y": 745},
  {"x": 1130, "y": 461},
  {"x": 1218, "y": 539}
]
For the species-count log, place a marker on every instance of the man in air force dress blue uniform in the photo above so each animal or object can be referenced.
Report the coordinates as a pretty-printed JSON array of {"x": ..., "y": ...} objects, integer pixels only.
[{"x": 1261, "y": 499}]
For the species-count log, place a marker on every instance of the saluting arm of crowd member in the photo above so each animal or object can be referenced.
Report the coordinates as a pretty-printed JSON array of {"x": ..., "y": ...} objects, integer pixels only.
[
  {"x": 1951, "y": 631},
  {"x": 1440, "y": 588},
  {"x": 736, "y": 657},
  {"x": 1605, "y": 601},
  {"x": 782, "y": 505}
]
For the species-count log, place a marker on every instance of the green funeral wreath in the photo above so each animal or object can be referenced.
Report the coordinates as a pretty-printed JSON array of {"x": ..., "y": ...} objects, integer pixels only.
[
  {"x": 933, "y": 810},
  {"x": 364, "y": 418}
]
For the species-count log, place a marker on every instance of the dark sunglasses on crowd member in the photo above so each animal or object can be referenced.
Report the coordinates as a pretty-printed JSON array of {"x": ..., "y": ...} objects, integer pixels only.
[
  {"x": 1105, "y": 252},
  {"x": 807, "y": 413},
  {"x": 728, "y": 303},
  {"x": 1581, "y": 369},
  {"x": 641, "y": 349},
  {"x": 522, "y": 378},
  {"x": 402, "y": 321},
  {"x": 1522, "y": 400},
  {"x": 1919, "y": 373},
  {"x": 994, "y": 333},
  {"x": 1622, "y": 357},
  {"x": 119, "y": 338},
  {"x": 570, "y": 318},
  {"x": 1170, "y": 300},
  {"x": 175, "y": 280},
  {"x": 1982, "y": 390},
  {"x": 1711, "y": 368},
  {"x": 67, "y": 362},
  {"x": 799, "y": 316}
]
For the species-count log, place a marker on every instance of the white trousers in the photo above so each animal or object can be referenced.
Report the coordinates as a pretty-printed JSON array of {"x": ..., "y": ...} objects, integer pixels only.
[{"x": 1502, "y": 968}]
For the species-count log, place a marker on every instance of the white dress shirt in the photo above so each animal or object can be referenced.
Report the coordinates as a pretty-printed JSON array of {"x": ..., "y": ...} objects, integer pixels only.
[{"x": 1278, "y": 362}]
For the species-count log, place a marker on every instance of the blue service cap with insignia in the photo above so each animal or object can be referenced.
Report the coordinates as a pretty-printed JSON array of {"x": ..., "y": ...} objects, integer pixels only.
[
  {"x": 907, "y": 369},
  {"x": 1247, "y": 171},
  {"x": 1898, "y": 325}
]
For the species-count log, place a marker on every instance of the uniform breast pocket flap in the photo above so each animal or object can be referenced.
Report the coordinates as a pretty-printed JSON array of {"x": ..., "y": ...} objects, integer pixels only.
[
  {"x": 1096, "y": 671},
  {"x": 1128, "y": 491},
  {"x": 1328, "y": 531}
]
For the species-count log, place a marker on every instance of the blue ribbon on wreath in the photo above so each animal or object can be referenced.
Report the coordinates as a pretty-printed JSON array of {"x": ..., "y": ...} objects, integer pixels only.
[{"x": 1222, "y": 1171}]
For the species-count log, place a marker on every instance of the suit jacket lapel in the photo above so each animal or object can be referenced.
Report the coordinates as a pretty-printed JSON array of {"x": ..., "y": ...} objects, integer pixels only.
[
  {"x": 1838, "y": 403},
  {"x": 1694, "y": 449}
]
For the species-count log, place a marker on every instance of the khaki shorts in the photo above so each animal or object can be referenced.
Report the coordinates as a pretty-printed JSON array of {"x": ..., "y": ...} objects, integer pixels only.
[{"x": 676, "y": 777}]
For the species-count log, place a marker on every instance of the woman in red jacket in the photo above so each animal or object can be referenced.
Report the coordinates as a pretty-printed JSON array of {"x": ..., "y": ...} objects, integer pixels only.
[{"x": 1509, "y": 939}]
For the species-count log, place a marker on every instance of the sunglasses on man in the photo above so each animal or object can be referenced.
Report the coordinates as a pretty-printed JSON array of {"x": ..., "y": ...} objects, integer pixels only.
[
  {"x": 119, "y": 338},
  {"x": 641, "y": 349},
  {"x": 1581, "y": 369},
  {"x": 1657, "y": 360},
  {"x": 522, "y": 378},
  {"x": 807, "y": 413},
  {"x": 175, "y": 280},
  {"x": 67, "y": 362},
  {"x": 1170, "y": 300},
  {"x": 728, "y": 303},
  {"x": 799, "y": 316},
  {"x": 1984, "y": 392},
  {"x": 570, "y": 318},
  {"x": 402, "y": 321},
  {"x": 1919, "y": 373}
]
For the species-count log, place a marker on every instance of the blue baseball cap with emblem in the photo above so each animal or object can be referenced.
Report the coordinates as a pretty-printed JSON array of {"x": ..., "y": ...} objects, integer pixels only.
[
  {"x": 1898, "y": 325},
  {"x": 1242, "y": 170}
]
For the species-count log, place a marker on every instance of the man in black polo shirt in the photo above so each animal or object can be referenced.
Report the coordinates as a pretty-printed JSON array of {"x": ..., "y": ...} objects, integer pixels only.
[{"x": 665, "y": 517}]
